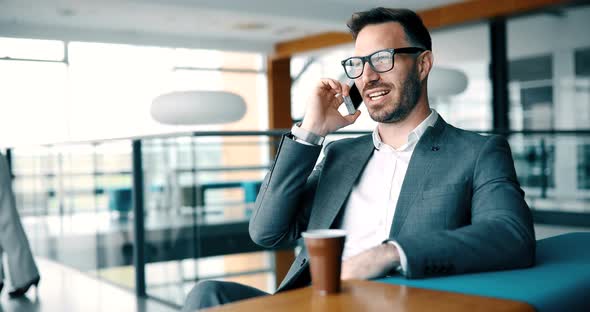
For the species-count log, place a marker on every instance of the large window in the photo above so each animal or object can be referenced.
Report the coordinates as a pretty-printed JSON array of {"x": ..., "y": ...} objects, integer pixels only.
[
  {"x": 464, "y": 50},
  {"x": 33, "y": 94},
  {"x": 105, "y": 91},
  {"x": 549, "y": 81},
  {"x": 548, "y": 66}
]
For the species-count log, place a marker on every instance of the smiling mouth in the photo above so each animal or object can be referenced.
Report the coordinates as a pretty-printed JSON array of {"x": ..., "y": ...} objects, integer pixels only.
[{"x": 375, "y": 96}]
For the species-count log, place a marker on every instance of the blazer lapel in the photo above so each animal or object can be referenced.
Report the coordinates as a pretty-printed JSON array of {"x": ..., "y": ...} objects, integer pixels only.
[
  {"x": 336, "y": 182},
  {"x": 422, "y": 158}
]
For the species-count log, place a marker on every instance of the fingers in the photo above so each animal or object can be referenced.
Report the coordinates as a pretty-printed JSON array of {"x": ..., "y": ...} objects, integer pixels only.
[
  {"x": 339, "y": 99},
  {"x": 331, "y": 85},
  {"x": 345, "y": 89},
  {"x": 339, "y": 89},
  {"x": 352, "y": 118},
  {"x": 344, "y": 272}
]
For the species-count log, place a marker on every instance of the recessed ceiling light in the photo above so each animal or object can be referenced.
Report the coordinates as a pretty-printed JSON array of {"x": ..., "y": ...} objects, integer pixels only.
[
  {"x": 66, "y": 12},
  {"x": 286, "y": 30},
  {"x": 250, "y": 26}
]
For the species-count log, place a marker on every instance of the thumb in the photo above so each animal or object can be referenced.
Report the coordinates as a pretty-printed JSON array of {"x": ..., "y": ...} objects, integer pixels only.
[{"x": 350, "y": 119}]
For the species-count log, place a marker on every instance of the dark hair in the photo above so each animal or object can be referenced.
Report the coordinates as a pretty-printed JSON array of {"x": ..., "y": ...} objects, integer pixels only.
[{"x": 416, "y": 32}]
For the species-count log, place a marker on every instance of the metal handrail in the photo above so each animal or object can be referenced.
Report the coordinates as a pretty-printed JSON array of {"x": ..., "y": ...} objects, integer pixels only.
[{"x": 280, "y": 132}]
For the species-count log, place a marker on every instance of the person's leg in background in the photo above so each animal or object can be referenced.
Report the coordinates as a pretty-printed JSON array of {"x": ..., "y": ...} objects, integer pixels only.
[
  {"x": 208, "y": 294},
  {"x": 1, "y": 269},
  {"x": 22, "y": 269}
]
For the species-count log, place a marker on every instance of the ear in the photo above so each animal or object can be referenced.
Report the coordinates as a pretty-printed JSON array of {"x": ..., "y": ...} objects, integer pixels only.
[{"x": 424, "y": 62}]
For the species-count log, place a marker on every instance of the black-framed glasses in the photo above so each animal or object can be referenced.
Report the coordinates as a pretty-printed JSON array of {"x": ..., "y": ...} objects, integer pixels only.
[{"x": 380, "y": 61}]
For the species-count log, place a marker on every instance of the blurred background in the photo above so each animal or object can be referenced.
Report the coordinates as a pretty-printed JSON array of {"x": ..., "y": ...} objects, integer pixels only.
[{"x": 125, "y": 213}]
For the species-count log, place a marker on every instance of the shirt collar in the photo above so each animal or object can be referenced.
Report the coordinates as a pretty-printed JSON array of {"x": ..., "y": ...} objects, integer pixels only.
[{"x": 414, "y": 136}]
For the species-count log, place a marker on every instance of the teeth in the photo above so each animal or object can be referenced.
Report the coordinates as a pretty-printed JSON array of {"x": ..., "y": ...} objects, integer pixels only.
[{"x": 377, "y": 95}]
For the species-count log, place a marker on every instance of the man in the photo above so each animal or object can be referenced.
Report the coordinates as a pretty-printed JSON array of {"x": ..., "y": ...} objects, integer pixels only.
[{"x": 418, "y": 196}]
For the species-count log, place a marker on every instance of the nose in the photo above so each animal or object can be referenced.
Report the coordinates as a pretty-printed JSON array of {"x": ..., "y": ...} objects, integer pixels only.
[{"x": 369, "y": 76}]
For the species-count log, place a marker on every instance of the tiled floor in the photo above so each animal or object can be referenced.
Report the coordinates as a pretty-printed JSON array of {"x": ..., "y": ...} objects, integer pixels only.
[{"x": 64, "y": 289}]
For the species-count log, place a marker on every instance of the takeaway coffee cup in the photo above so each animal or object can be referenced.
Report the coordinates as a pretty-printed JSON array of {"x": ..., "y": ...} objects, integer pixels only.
[{"x": 325, "y": 252}]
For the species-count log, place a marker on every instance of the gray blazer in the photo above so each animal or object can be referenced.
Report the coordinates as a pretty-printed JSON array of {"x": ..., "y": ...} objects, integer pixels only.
[{"x": 461, "y": 208}]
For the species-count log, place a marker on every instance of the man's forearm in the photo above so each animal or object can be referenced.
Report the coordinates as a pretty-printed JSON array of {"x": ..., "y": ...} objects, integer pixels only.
[{"x": 279, "y": 206}]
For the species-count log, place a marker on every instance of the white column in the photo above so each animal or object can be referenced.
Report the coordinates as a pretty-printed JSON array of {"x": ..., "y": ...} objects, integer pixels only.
[{"x": 564, "y": 117}]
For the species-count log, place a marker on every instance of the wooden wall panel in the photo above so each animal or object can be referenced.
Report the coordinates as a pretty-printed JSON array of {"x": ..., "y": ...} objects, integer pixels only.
[{"x": 279, "y": 93}]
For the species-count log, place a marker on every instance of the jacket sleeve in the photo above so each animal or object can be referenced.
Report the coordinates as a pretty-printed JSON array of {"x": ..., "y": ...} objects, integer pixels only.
[
  {"x": 501, "y": 234},
  {"x": 283, "y": 205}
]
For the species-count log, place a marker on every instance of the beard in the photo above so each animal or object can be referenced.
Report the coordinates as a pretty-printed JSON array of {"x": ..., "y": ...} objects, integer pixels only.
[{"x": 410, "y": 94}]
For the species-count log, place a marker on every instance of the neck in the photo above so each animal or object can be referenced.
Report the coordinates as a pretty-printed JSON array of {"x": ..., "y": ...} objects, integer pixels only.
[{"x": 396, "y": 134}]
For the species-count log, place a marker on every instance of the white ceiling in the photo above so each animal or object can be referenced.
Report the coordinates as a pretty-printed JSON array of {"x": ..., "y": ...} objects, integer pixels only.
[{"x": 245, "y": 25}]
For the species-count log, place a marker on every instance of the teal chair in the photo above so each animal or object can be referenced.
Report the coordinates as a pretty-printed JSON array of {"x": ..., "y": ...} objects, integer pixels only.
[
  {"x": 559, "y": 281},
  {"x": 120, "y": 201},
  {"x": 251, "y": 189}
]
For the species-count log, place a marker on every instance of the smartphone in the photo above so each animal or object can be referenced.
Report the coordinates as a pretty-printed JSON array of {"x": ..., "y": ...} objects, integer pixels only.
[{"x": 354, "y": 98}]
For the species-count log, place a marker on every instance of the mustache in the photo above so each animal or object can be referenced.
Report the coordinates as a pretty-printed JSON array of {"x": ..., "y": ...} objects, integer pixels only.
[{"x": 375, "y": 85}]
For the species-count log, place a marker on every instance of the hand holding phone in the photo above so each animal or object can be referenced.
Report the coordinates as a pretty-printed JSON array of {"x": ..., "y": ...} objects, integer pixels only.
[
  {"x": 354, "y": 98},
  {"x": 322, "y": 114}
]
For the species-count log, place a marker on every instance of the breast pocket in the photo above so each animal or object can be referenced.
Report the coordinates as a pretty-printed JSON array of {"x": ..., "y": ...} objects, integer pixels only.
[
  {"x": 446, "y": 205},
  {"x": 443, "y": 190}
]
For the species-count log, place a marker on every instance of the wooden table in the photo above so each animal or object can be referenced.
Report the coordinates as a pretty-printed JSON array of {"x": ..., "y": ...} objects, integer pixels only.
[{"x": 374, "y": 296}]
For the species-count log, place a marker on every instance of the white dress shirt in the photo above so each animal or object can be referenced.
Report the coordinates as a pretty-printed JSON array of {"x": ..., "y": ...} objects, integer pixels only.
[{"x": 370, "y": 209}]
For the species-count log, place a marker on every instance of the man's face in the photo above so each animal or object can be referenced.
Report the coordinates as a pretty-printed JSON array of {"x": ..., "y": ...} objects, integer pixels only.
[{"x": 389, "y": 96}]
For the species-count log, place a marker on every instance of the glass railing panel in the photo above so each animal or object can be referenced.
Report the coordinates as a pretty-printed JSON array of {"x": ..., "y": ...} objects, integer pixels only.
[
  {"x": 64, "y": 193},
  {"x": 553, "y": 170},
  {"x": 199, "y": 194}
]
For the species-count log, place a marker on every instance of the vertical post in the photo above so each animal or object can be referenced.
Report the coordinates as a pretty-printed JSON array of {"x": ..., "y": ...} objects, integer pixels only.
[
  {"x": 279, "y": 93},
  {"x": 138, "y": 226},
  {"x": 60, "y": 192},
  {"x": 9, "y": 162},
  {"x": 279, "y": 117},
  {"x": 197, "y": 208},
  {"x": 499, "y": 75},
  {"x": 95, "y": 173},
  {"x": 544, "y": 177}
]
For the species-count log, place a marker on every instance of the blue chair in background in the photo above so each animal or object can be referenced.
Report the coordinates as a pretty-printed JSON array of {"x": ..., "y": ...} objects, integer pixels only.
[{"x": 120, "y": 201}]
